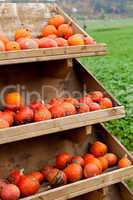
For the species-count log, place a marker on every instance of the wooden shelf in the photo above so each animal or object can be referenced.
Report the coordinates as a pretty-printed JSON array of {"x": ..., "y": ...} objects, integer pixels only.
[
  {"x": 119, "y": 191},
  {"x": 36, "y": 55},
  {"x": 84, "y": 186},
  {"x": 33, "y": 153},
  {"x": 36, "y": 150},
  {"x": 40, "y": 14},
  {"x": 57, "y": 125},
  {"x": 71, "y": 79}
]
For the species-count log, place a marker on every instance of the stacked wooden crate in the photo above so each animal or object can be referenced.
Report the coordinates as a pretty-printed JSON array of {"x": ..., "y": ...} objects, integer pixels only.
[{"x": 57, "y": 68}]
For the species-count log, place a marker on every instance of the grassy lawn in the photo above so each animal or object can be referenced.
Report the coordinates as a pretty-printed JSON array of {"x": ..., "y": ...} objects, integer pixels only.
[
  {"x": 100, "y": 25},
  {"x": 115, "y": 71}
]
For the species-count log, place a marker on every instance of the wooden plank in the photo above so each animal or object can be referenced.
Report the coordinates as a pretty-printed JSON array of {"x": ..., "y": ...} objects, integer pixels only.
[
  {"x": 49, "y": 58},
  {"x": 109, "y": 193},
  {"x": 52, "y": 53},
  {"x": 57, "y": 125},
  {"x": 126, "y": 194},
  {"x": 85, "y": 186},
  {"x": 106, "y": 193},
  {"x": 40, "y": 14}
]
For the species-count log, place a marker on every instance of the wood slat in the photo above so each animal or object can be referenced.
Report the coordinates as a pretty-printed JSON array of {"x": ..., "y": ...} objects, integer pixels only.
[
  {"x": 109, "y": 193},
  {"x": 57, "y": 125},
  {"x": 49, "y": 58},
  {"x": 51, "y": 54},
  {"x": 126, "y": 194}
]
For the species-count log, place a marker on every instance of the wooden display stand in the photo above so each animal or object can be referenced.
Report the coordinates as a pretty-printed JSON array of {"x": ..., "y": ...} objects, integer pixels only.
[
  {"x": 57, "y": 77},
  {"x": 33, "y": 153},
  {"x": 30, "y": 143}
]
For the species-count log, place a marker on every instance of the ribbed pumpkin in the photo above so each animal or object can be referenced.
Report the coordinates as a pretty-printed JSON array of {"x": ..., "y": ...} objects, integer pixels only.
[{"x": 56, "y": 178}]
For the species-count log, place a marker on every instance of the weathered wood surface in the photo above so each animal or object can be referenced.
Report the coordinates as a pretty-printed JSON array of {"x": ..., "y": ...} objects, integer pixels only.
[
  {"x": 126, "y": 194},
  {"x": 56, "y": 125},
  {"x": 56, "y": 78},
  {"x": 30, "y": 15},
  {"x": 32, "y": 154},
  {"x": 34, "y": 16}
]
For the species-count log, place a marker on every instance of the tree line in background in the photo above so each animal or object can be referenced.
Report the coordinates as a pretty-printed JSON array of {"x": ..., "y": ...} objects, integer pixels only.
[
  {"x": 98, "y": 8},
  {"x": 91, "y": 8}
]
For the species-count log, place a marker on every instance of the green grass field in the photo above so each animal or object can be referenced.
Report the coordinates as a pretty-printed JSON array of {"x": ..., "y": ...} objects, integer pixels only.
[{"x": 115, "y": 70}]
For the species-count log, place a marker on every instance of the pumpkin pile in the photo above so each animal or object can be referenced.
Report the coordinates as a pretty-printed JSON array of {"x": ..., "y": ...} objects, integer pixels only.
[
  {"x": 67, "y": 168},
  {"x": 16, "y": 113},
  {"x": 57, "y": 33}
]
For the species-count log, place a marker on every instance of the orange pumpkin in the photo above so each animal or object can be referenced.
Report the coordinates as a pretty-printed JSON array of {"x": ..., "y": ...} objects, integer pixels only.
[
  {"x": 79, "y": 160},
  {"x": 65, "y": 31},
  {"x": 89, "y": 40},
  {"x": 124, "y": 162},
  {"x": 75, "y": 40},
  {"x": 62, "y": 160},
  {"x": 38, "y": 176},
  {"x": 56, "y": 177},
  {"x": 56, "y": 20},
  {"x": 27, "y": 43},
  {"x": 73, "y": 172},
  {"x": 61, "y": 42},
  {"x": 22, "y": 33},
  {"x": 47, "y": 43},
  {"x": 111, "y": 158},
  {"x": 49, "y": 30},
  {"x": 13, "y": 100},
  {"x": 104, "y": 163},
  {"x": 88, "y": 158},
  {"x": 12, "y": 46},
  {"x": 91, "y": 170},
  {"x": 99, "y": 149},
  {"x": 106, "y": 103}
]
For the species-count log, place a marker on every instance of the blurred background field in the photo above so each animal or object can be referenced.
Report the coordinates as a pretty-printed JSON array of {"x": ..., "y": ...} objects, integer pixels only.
[{"x": 102, "y": 25}]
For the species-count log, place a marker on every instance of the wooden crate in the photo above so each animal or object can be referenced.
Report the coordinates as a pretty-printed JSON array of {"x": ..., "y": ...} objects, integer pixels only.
[
  {"x": 33, "y": 153},
  {"x": 14, "y": 15},
  {"x": 119, "y": 191},
  {"x": 57, "y": 77}
]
